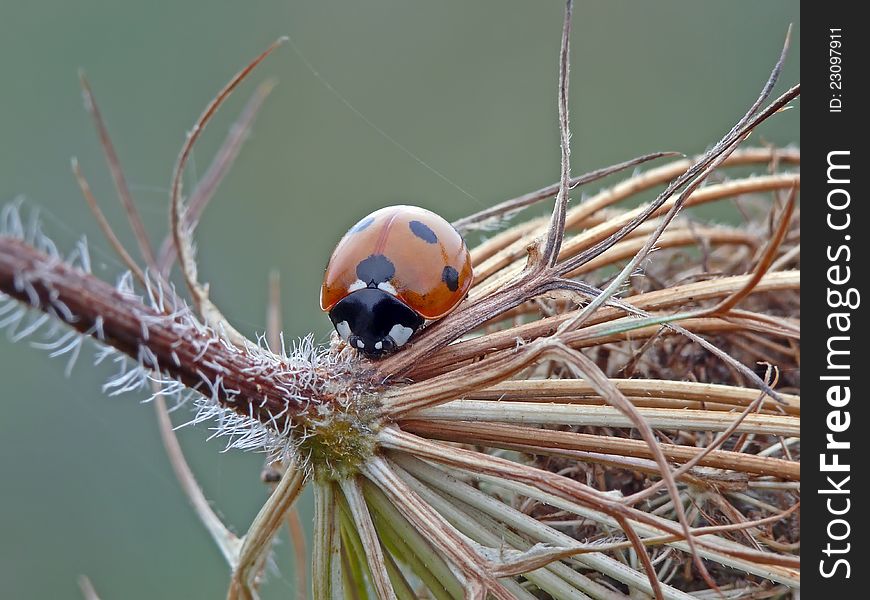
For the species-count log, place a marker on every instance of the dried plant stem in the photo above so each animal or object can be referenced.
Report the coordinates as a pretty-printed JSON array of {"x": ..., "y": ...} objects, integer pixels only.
[
  {"x": 371, "y": 545},
  {"x": 486, "y": 532},
  {"x": 621, "y": 191},
  {"x": 765, "y": 261},
  {"x": 699, "y": 394},
  {"x": 87, "y": 588},
  {"x": 616, "y": 331},
  {"x": 580, "y": 242},
  {"x": 228, "y": 543},
  {"x": 103, "y": 223},
  {"x": 225, "y": 157},
  {"x": 551, "y": 442},
  {"x": 576, "y": 497},
  {"x": 656, "y": 300},
  {"x": 604, "y": 416},
  {"x": 258, "y": 540},
  {"x": 448, "y": 541},
  {"x": 553, "y": 240},
  {"x": 679, "y": 296},
  {"x": 504, "y": 209},
  {"x": 585, "y": 366},
  {"x": 412, "y": 547},
  {"x": 353, "y": 554},
  {"x": 670, "y": 239},
  {"x": 533, "y": 528},
  {"x": 114, "y": 164},
  {"x": 97, "y": 309},
  {"x": 713, "y": 548},
  {"x": 325, "y": 561},
  {"x": 178, "y": 225}
]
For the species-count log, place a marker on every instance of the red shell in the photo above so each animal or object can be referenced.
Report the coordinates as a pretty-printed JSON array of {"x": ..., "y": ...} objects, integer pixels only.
[{"x": 432, "y": 266}]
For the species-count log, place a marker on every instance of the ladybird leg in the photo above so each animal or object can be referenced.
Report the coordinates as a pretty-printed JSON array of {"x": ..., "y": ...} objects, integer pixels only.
[{"x": 385, "y": 345}]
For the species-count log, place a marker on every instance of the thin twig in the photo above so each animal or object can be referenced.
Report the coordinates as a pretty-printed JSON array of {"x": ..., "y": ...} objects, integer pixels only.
[
  {"x": 103, "y": 223},
  {"x": 228, "y": 543},
  {"x": 507, "y": 207},
  {"x": 87, "y": 588},
  {"x": 117, "y": 172},
  {"x": 178, "y": 225},
  {"x": 258, "y": 540},
  {"x": 766, "y": 260},
  {"x": 223, "y": 160},
  {"x": 552, "y": 244}
]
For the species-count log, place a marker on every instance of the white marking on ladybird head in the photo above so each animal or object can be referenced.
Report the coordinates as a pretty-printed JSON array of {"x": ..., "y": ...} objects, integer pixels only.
[
  {"x": 356, "y": 285},
  {"x": 343, "y": 330},
  {"x": 379, "y": 345},
  {"x": 388, "y": 288},
  {"x": 400, "y": 334},
  {"x": 360, "y": 344}
]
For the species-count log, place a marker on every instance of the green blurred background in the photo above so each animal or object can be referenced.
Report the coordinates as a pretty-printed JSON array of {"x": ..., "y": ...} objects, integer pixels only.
[{"x": 468, "y": 88}]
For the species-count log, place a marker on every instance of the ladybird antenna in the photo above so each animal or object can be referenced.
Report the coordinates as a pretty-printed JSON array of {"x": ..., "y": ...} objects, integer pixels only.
[{"x": 325, "y": 82}]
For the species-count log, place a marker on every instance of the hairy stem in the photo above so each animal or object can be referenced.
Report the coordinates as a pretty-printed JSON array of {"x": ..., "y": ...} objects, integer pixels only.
[{"x": 249, "y": 381}]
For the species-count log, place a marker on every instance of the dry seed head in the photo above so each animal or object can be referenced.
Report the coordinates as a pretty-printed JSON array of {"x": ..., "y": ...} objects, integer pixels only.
[
  {"x": 325, "y": 411},
  {"x": 340, "y": 437}
]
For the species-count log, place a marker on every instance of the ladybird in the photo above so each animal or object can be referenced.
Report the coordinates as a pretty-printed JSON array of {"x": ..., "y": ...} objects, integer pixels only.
[{"x": 391, "y": 272}]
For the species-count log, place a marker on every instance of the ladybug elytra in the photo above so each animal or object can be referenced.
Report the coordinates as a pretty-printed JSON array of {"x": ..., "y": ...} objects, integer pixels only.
[{"x": 392, "y": 271}]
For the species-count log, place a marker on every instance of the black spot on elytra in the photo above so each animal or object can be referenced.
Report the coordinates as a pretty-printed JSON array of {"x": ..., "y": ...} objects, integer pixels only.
[
  {"x": 450, "y": 277},
  {"x": 362, "y": 225},
  {"x": 422, "y": 231},
  {"x": 375, "y": 269}
]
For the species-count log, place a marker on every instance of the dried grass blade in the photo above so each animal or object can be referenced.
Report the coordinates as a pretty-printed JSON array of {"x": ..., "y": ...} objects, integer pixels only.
[
  {"x": 578, "y": 215},
  {"x": 479, "y": 219},
  {"x": 369, "y": 537},
  {"x": 531, "y": 562},
  {"x": 223, "y": 160},
  {"x": 453, "y": 545},
  {"x": 556, "y": 231},
  {"x": 702, "y": 393},
  {"x": 117, "y": 172},
  {"x": 414, "y": 549},
  {"x": 103, "y": 222},
  {"x": 227, "y": 542},
  {"x": 564, "y": 443},
  {"x": 666, "y": 419},
  {"x": 766, "y": 259},
  {"x": 258, "y": 540},
  {"x": 535, "y": 529},
  {"x": 181, "y": 229},
  {"x": 325, "y": 560}
]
